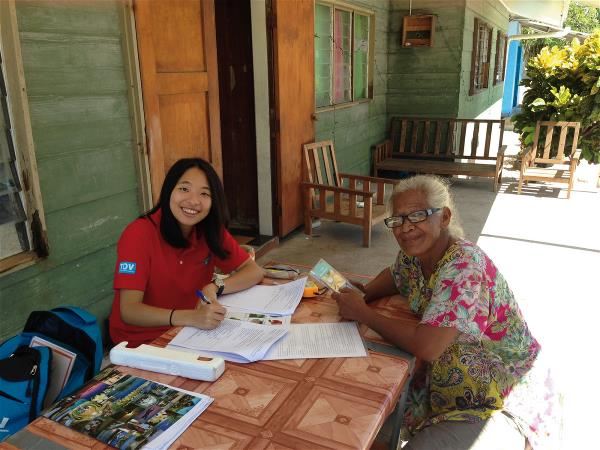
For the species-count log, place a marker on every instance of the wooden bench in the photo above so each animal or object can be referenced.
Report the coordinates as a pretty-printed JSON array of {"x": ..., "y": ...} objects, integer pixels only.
[{"x": 443, "y": 147}]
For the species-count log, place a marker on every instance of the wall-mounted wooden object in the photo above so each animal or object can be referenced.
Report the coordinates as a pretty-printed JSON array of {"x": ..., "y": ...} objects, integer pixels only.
[{"x": 417, "y": 31}]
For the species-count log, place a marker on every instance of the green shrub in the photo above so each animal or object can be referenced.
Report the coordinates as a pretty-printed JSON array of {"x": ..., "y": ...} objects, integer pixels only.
[{"x": 564, "y": 84}]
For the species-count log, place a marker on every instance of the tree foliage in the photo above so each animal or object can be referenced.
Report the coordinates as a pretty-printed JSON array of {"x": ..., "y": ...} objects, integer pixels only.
[
  {"x": 564, "y": 84},
  {"x": 579, "y": 18},
  {"x": 583, "y": 18}
]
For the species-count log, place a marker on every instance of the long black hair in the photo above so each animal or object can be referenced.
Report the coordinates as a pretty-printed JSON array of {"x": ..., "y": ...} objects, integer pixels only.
[{"x": 212, "y": 226}]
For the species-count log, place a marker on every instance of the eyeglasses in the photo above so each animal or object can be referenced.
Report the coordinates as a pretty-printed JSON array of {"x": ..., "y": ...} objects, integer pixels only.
[{"x": 413, "y": 217}]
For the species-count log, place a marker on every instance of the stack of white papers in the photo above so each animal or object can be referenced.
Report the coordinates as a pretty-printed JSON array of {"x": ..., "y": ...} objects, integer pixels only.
[
  {"x": 233, "y": 340},
  {"x": 280, "y": 300},
  {"x": 319, "y": 340},
  {"x": 245, "y": 342},
  {"x": 245, "y": 335}
]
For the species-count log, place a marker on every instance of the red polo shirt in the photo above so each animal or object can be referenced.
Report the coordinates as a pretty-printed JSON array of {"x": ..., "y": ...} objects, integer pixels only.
[{"x": 168, "y": 276}]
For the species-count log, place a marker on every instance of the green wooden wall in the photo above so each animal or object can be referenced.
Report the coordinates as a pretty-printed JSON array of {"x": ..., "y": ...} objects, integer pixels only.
[
  {"x": 434, "y": 81},
  {"x": 425, "y": 81},
  {"x": 419, "y": 81},
  {"x": 356, "y": 128},
  {"x": 76, "y": 83},
  {"x": 488, "y": 102}
]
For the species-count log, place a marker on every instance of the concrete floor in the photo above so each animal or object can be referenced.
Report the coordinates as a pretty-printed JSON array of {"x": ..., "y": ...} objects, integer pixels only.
[{"x": 547, "y": 247}]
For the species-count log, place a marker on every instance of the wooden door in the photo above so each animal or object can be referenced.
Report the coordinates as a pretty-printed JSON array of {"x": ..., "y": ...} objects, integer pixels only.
[
  {"x": 294, "y": 92},
  {"x": 178, "y": 64},
  {"x": 236, "y": 96}
]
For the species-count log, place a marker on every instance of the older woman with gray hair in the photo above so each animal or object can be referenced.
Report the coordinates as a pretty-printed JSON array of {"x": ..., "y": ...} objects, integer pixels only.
[{"x": 471, "y": 332}]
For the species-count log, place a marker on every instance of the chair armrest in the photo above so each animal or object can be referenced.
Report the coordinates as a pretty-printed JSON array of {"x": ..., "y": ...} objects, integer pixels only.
[
  {"x": 367, "y": 178},
  {"x": 380, "y": 184},
  {"x": 341, "y": 190},
  {"x": 381, "y": 151},
  {"x": 500, "y": 159},
  {"x": 574, "y": 161},
  {"x": 527, "y": 158}
]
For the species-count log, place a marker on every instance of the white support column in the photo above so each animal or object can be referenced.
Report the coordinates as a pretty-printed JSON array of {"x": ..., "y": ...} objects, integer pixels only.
[{"x": 261, "y": 106}]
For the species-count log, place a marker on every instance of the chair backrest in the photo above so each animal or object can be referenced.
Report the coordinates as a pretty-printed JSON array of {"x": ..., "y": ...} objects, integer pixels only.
[
  {"x": 320, "y": 165},
  {"x": 552, "y": 146},
  {"x": 444, "y": 138}
]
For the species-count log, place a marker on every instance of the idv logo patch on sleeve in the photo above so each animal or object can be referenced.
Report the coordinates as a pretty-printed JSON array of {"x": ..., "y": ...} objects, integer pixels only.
[{"x": 127, "y": 267}]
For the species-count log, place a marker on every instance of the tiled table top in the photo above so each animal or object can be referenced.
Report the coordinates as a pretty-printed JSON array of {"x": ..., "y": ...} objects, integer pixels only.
[{"x": 307, "y": 403}]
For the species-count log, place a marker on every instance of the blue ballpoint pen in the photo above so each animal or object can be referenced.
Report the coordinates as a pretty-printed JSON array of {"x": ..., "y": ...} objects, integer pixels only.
[{"x": 202, "y": 297}]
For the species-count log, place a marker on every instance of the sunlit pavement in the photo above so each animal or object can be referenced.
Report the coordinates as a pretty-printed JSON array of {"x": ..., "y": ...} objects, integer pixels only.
[{"x": 549, "y": 250}]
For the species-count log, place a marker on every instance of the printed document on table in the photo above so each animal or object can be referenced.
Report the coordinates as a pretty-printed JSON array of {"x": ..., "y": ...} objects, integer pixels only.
[
  {"x": 319, "y": 340},
  {"x": 233, "y": 340},
  {"x": 280, "y": 299}
]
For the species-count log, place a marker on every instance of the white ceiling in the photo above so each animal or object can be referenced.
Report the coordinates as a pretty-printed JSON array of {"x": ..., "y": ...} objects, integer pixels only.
[{"x": 551, "y": 12}]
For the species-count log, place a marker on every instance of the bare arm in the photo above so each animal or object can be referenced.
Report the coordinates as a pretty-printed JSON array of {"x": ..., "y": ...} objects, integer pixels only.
[
  {"x": 135, "y": 312},
  {"x": 423, "y": 341},
  {"x": 246, "y": 275}
]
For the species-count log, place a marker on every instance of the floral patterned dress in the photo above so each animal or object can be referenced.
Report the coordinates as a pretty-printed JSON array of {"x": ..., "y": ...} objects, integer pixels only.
[{"x": 493, "y": 350}]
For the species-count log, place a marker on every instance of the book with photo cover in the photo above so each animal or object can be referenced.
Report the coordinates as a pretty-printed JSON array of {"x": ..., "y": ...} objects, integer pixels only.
[
  {"x": 129, "y": 412},
  {"x": 330, "y": 277}
]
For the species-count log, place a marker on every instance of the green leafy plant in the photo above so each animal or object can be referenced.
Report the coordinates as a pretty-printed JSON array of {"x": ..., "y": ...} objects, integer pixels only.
[
  {"x": 581, "y": 18},
  {"x": 564, "y": 85}
]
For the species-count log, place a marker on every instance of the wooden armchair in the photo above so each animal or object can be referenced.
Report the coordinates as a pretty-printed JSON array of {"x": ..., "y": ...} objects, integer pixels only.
[
  {"x": 341, "y": 197},
  {"x": 563, "y": 167}
]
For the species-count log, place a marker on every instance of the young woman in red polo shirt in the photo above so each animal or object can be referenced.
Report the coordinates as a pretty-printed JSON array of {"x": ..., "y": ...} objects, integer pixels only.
[{"x": 168, "y": 254}]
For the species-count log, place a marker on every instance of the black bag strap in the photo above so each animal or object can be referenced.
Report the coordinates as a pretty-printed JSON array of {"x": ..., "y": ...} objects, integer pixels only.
[{"x": 23, "y": 365}]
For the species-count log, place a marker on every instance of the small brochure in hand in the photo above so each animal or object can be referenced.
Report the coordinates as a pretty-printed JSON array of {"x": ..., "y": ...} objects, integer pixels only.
[
  {"x": 330, "y": 277},
  {"x": 129, "y": 412}
]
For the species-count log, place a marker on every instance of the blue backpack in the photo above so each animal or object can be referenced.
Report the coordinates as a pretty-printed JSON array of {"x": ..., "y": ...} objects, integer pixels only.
[
  {"x": 24, "y": 377},
  {"x": 70, "y": 327}
]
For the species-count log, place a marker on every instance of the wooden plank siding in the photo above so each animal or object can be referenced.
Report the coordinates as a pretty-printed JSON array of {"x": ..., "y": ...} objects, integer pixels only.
[
  {"x": 355, "y": 129},
  {"x": 435, "y": 81},
  {"x": 78, "y": 97},
  {"x": 487, "y": 103},
  {"x": 49, "y": 285},
  {"x": 424, "y": 81}
]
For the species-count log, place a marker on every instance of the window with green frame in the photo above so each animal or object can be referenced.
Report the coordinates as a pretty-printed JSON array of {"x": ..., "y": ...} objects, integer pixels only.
[
  {"x": 22, "y": 225},
  {"x": 343, "y": 69}
]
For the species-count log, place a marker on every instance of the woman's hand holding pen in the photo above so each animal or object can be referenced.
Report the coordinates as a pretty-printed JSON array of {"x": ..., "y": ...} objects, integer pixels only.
[
  {"x": 209, "y": 312},
  {"x": 208, "y": 294},
  {"x": 208, "y": 315}
]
